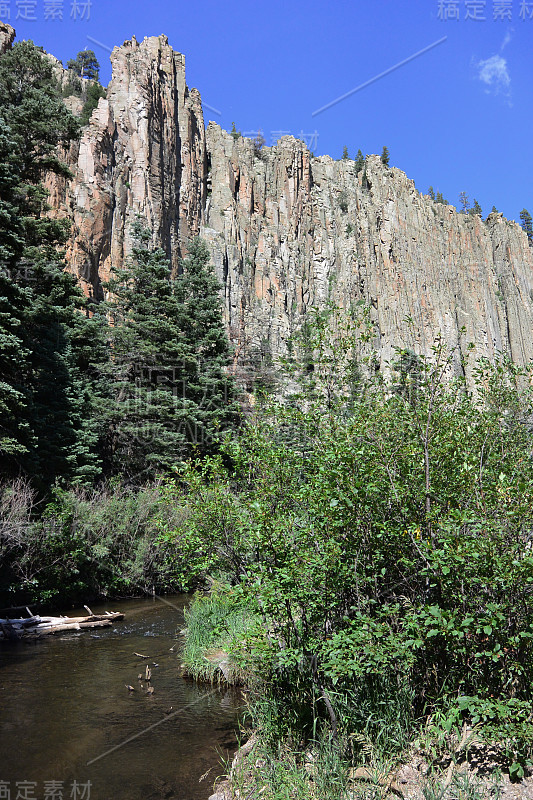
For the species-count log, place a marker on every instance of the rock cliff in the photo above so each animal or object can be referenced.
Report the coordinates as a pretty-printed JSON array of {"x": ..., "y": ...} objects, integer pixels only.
[{"x": 287, "y": 230}]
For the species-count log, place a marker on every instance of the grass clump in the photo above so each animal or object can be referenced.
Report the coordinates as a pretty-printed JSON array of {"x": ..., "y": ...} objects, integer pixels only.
[{"x": 217, "y": 625}]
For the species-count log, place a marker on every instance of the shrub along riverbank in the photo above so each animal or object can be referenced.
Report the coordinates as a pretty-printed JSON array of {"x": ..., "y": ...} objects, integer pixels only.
[
  {"x": 83, "y": 544},
  {"x": 373, "y": 542}
]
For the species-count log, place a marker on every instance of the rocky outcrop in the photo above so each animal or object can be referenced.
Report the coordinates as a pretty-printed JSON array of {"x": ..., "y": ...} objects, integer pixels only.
[
  {"x": 7, "y": 37},
  {"x": 287, "y": 231},
  {"x": 143, "y": 153}
]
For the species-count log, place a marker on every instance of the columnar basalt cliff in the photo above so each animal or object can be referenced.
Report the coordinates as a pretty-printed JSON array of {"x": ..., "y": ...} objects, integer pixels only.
[
  {"x": 287, "y": 230},
  {"x": 143, "y": 153}
]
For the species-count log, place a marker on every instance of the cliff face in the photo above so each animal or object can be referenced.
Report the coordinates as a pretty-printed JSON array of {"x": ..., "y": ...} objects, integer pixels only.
[
  {"x": 286, "y": 230},
  {"x": 143, "y": 152}
]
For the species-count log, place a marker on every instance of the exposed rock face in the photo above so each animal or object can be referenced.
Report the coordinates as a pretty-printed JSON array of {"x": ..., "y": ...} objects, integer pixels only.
[
  {"x": 7, "y": 36},
  {"x": 143, "y": 152},
  {"x": 287, "y": 231}
]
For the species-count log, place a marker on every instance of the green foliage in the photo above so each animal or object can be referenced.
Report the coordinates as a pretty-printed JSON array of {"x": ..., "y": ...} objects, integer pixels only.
[
  {"x": 94, "y": 93},
  {"x": 235, "y": 133},
  {"x": 84, "y": 544},
  {"x": 431, "y": 193},
  {"x": 465, "y": 203},
  {"x": 384, "y": 534},
  {"x": 476, "y": 209},
  {"x": 527, "y": 225},
  {"x": 343, "y": 201},
  {"x": 439, "y": 198},
  {"x": 345, "y": 154},
  {"x": 85, "y": 65},
  {"x": 385, "y": 157},
  {"x": 46, "y": 393},
  {"x": 216, "y": 625},
  {"x": 32, "y": 105},
  {"x": 359, "y": 161},
  {"x": 171, "y": 393},
  {"x": 72, "y": 87},
  {"x": 258, "y": 142}
]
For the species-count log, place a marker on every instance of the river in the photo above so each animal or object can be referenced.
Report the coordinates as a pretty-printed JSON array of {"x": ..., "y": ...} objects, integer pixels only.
[{"x": 64, "y": 704}]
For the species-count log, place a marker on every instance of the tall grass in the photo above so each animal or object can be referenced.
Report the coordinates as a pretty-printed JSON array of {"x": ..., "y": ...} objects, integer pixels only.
[{"x": 216, "y": 627}]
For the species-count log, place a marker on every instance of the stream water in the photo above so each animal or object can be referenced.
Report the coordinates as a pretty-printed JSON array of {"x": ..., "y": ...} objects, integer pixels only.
[{"x": 64, "y": 704}]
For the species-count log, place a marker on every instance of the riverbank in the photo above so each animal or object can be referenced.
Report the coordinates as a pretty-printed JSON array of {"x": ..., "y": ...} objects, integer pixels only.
[
  {"x": 279, "y": 761},
  {"x": 251, "y": 778}
]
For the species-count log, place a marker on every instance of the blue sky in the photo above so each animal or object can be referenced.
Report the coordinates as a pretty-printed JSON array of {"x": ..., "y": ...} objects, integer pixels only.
[{"x": 458, "y": 117}]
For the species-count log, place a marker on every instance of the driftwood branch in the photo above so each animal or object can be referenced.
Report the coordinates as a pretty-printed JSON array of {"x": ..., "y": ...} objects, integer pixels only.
[{"x": 34, "y": 627}]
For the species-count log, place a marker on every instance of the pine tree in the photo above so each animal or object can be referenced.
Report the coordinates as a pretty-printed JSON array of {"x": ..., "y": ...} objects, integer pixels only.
[
  {"x": 46, "y": 392},
  {"x": 527, "y": 225},
  {"x": 465, "y": 202},
  {"x": 359, "y": 161},
  {"x": 345, "y": 154},
  {"x": 207, "y": 383},
  {"x": 476, "y": 209},
  {"x": 431, "y": 193},
  {"x": 39, "y": 120},
  {"x": 85, "y": 65},
  {"x": 171, "y": 392},
  {"x": 385, "y": 156}
]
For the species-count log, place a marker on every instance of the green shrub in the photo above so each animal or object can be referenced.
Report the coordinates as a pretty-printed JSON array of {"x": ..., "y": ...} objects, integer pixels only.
[
  {"x": 94, "y": 93},
  {"x": 84, "y": 544},
  {"x": 384, "y": 532}
]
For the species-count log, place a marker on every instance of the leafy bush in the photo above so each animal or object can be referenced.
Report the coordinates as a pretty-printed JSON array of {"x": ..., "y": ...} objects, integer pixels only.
[
  {"x": 385, "y": 533},
  {"x": 84, "y": 544}
]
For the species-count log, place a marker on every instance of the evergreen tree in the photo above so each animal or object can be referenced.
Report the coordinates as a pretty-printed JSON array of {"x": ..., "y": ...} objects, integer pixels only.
[
  {"x": 258, "y": 142},
  {"x": 359, "y": 161},
  {"x": 345, "y": 154},
  {"x": 171, "y": 392},
  {"x": 46, "y": 392},
  {"x": 39, "y": 121},
  {"x": 94, "y": 93},
  {"x": 85, "y": 65},
  {"x": 431, "y": 193},
  {"x": 207, "y": 349},
  {"x": 14, "y": 307},
  {"x": 527, "y": 225},
  {"x": 385, "y": 156},
  {"x": 476, "y": 209},
  {"x": 465, "y": 202}
]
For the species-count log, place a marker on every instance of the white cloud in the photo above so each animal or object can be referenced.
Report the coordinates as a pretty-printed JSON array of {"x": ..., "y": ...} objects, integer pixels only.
[
  {"x": 494, "y": 74},
  {"x": 507, "y": 38}
]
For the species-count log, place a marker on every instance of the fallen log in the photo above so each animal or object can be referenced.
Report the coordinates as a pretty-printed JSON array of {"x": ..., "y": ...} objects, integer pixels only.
[{"x": 35, "y": 627}]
